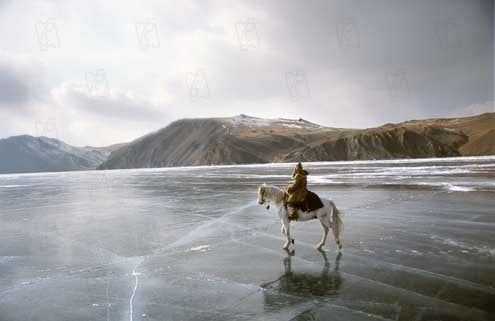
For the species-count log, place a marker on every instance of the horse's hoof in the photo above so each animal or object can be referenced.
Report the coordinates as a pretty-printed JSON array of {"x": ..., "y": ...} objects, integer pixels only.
[
  {"x": 286, "y": 247},
  {"x": 290, "y": 252},
  {"x": 293, "y": 242}
]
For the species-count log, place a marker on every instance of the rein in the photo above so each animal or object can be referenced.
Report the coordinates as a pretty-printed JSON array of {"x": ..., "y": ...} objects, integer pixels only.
[{"x": 268, "y": 195}]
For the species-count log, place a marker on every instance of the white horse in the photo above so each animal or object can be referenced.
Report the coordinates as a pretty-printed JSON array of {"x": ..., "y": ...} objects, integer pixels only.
[{"x": 328, "y": 215}]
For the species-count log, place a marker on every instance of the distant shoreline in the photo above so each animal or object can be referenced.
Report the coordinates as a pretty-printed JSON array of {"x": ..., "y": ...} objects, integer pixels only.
[{"x": 281, "y": 164}]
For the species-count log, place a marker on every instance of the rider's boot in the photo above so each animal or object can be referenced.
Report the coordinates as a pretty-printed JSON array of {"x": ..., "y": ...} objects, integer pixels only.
[{"x": 292, "y": 213}]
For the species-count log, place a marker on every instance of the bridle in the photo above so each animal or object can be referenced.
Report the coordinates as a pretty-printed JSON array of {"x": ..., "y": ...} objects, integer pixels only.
[{"x": 263, "y": 201}]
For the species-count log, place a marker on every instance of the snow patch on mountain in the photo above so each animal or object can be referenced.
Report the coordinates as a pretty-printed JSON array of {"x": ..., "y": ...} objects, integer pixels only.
[{"x": 249, "y": 121}]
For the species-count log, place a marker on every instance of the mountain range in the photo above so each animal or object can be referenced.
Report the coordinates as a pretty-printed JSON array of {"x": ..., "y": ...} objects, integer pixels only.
[
  {"x": 25, "y": 154},
  {"x": 244, "y": 139}
]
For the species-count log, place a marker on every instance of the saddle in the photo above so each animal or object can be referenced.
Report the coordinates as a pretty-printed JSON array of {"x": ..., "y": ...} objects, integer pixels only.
[{"x": 312, "y": 202}]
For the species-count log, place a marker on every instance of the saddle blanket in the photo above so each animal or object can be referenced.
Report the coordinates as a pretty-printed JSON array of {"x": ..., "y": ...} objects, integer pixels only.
[{"x": 311, "y": 203}]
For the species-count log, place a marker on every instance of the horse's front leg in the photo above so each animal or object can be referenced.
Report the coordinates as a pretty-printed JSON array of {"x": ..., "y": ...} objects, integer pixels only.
[
  {"x": 287, "y": 234},
  {"x": 285, "y": 227}
]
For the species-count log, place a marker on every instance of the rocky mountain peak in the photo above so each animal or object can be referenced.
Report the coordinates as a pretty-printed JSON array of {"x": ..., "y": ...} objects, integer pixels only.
[{"x": 244, "y": 139}]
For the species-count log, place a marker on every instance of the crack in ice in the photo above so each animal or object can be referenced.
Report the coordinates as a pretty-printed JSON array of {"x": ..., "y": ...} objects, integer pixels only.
[{"x": 131, "y": 300}]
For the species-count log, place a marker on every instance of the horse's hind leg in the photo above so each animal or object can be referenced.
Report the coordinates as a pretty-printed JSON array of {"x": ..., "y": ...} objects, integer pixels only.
[
  {"x": 337, "y": 225},
  {"x": 324, "y": 236},
  {"x": 326, "y": 224}
]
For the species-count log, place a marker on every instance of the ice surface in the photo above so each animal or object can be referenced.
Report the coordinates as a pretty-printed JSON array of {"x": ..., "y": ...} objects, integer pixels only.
[{"x": 192, "y": 244}]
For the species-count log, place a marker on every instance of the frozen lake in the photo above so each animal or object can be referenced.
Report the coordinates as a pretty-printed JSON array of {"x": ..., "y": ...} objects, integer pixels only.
[{"x": 192, "y": 244}]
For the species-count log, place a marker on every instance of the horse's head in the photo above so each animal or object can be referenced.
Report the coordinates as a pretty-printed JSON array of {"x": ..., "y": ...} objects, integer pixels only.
[
  {"x": 263, "y": 197},
  {"x": 261, "y": 194}
]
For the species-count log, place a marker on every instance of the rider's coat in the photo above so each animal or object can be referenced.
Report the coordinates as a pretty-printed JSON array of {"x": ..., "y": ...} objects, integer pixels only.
[{"x": 298, "y": 190}]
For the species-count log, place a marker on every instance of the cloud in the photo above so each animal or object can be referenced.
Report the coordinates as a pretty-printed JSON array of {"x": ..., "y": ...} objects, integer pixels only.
[
  {"x": 118, "y": 105},
  {"x": 27, "y": 97},
  {"x": 475, "y": 109},
  {"x": 21, "y": 80}
]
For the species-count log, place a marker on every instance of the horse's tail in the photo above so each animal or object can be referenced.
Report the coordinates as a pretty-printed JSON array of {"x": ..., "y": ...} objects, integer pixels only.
[{"x": 337, "y": 224}]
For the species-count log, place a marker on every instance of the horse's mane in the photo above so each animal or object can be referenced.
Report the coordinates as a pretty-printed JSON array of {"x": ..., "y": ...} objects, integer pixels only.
[{"x": 272, "y": 191}]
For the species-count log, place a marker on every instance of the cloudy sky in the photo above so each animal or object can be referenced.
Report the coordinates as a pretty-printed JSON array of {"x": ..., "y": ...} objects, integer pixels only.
[{"x": 103, "y": 72}]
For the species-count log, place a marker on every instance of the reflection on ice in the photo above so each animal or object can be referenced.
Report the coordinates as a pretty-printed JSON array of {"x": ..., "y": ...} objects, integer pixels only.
[{"x": 304, "y": 284}]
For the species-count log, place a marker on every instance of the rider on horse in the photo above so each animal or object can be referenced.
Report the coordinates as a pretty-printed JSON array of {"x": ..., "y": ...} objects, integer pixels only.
[{"x": 296, "y": 192}]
